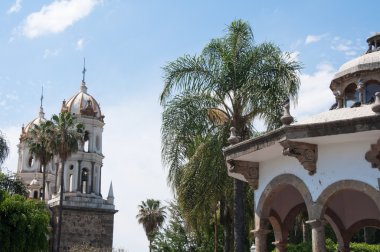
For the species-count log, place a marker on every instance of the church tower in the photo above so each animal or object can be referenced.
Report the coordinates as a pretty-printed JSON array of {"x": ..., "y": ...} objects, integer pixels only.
[
  {"x": 87, "y": 217},
  {"x": 29, "y": 169}
]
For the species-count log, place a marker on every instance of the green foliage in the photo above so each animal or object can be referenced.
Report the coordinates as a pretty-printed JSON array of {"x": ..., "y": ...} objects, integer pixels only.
[
  {"x": 12, "y": 184},
  {"x": 151, "y": 215},
  {"x": 364, "y": 247},
  {"x": 232, "y": 82},
  {"x": 4, "y": 149},
  {"x": 23, "y": 224},
  {"x": 332, "y": 247}
]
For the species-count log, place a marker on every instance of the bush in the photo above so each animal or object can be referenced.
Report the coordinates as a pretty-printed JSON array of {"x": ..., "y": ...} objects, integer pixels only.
[{"x": 332, "y": 247}]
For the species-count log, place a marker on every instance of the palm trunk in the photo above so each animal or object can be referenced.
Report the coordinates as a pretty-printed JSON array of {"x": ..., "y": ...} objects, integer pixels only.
[
  {"x": 150, "y": 245},
  {"x": 216, "y": 231},
  {"x": 60, "y": 208},
  {"x": 43, "y": 182},
  {"x": 239, "y": 229}
]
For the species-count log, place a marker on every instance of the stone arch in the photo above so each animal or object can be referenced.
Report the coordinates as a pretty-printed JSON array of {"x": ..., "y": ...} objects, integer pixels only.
[
  {"x": 276, "y": 184},
  {"x": 361, "y": 224},
  {"x": 337, "y": 187}
]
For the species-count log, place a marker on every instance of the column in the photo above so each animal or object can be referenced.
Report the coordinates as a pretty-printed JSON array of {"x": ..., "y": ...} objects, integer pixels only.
[
  {"x": 92, "y": 177},
  {"x": 261, "y": 239},
  {"x": 280, "y": 246},
  {"x": 317, "y": 235},
  {"x": 79, "y": 189}
]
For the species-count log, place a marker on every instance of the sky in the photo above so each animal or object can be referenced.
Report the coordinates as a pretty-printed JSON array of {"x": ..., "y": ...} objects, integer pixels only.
[{"x": 126, "y": 43}]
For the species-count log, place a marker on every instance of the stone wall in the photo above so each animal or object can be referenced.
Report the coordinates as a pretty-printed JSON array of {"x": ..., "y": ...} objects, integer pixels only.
[{"x": 85, "y": 226}]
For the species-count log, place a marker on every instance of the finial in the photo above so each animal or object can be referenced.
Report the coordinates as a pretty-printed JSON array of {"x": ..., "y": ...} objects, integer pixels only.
[
  {"x": 110, "y": 197},
  {"x": 233, "y": 139},
  {"x": 41, "y": 114},
  {"x": 376, "y": 104},
  {"x": 84, "y": 70},
  {"x": 286, "y": 118},
  {"x": 83, "y": 87}
]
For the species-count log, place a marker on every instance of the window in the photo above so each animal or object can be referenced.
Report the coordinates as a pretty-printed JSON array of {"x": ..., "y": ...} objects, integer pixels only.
[
  {"x": 31, "y": 161},
  {"x": 84, "y": 180},
  {"x": 35, "y": 195},
  {"x": 370, "y": 90},
  {"x": 71, "y": 183},
  {"x": 86, "y": 141},
  {"x": 350, "y": 95}
]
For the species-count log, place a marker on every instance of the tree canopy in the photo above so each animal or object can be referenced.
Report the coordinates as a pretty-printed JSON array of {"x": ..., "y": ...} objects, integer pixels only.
[{"x": 232, "y": 82}]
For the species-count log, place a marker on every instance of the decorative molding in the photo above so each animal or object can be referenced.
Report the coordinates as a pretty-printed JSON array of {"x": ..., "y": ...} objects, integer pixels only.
[
  {"x": 249, "y": 170},
  {"x": 373, "y": 155},
  {"x": 88, "y": 110},
  {"x": 307, "y": 154}
]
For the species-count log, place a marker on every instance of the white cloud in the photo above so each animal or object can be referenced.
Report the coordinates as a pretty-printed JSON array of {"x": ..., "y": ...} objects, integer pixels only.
[
  {"x": 315, "y": 95},
  {"x": 346, "y": 46},
  {"x": 56, "y": 17},
  {"x": 79, "y": 44},
  {"x": 51, "y": 53},
  {"x": 313, "y": 38},
  {"x": 16, "y": 7}
]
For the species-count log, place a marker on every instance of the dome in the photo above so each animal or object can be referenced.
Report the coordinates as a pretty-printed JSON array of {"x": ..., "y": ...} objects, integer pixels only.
[
  {"x": 366, "y": 62},
  {"x": 83, "y": 104},
  {"x": 36, "y": 121}
]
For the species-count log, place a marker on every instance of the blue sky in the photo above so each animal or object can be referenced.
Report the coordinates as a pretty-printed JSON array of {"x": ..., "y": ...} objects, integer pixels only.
[{"x": 126, "y": 44}]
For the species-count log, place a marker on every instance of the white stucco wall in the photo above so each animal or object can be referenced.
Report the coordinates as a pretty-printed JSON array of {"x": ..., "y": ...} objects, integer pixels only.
[{"x": 336, "y": 162}]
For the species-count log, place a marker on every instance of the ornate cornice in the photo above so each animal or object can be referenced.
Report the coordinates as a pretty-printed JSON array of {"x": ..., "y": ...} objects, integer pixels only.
[
  {"x": 373, "y": 155},
  {"x": 249, "y": 170},
  {"x": 307, "y": 154}
]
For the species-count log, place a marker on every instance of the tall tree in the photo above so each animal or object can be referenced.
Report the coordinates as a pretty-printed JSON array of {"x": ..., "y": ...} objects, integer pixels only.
[
  {"x": 232, "y": 82},
  {"x": 151, "y": 215},
  {"x": 38, "y": 140},
  {"x": 66, "y": 135}
]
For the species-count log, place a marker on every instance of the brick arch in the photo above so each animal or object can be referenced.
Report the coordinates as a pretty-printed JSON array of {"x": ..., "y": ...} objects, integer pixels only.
[
  {"x": 263, "y": 206},
  {"x": 335, "y": 188}
]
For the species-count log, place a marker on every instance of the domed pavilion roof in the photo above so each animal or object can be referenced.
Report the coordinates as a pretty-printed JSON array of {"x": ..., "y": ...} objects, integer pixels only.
[
  {"x": 83, "y": 103},
  {"x": 366, "y": 62}
]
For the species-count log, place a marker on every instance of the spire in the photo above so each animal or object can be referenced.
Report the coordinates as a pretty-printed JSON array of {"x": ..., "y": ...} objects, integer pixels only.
[
  {"x": 41, "y": 114},
  {"x": 83, "y": 87},
  {"x": 110, "y": 196}
]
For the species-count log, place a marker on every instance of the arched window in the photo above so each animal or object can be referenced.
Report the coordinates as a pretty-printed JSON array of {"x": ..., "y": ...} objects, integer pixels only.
[
  {"x": 350, "y": 95},
  {"x": 370, "y": 89},
  {"x": 84, "y": 180},
  {"x": 86, "y": 141},
  {"x": 31, "y": 161},
  {"x": 71, "y": 183}
]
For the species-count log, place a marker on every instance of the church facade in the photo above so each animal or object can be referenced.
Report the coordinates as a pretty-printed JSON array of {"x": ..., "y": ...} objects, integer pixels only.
[
  {"x": 87, "y": 218},
  {"x": 326, "y": 166}
]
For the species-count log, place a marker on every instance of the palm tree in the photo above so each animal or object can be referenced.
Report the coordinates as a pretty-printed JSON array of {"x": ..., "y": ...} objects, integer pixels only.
[
  {"x": 38, "y": 140},
  {"x": 151, "y": 215},
  {"x": 66, "y": 134},
  {"x": 232, "y": 82},
  {"x": 4, "y": 149}
]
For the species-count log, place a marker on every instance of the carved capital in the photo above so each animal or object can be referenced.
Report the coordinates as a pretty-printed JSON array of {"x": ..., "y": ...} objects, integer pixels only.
[
  {"x": 249, "y": 170},
  {"x": 373, "y": 155},
  {"x": 307, "y": 154}
]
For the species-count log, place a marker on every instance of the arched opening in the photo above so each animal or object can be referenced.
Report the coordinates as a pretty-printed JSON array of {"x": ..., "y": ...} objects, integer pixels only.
[
  {"x": 349, "y": 206},
  {"x": 351, "y": 95},
  {"x": 371, "y": 88},
  {"x": 284, "y": 205},
  {"x": 84, "y": 180},
  {"x": 86, "y": 141},
  {"x": 31, "y": 161},
  {"x": 70, "y": 182},
  {"x": 35, "y": 194}
]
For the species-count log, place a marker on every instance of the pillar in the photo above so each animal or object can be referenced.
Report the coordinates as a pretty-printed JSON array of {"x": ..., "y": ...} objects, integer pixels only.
[
  {"x": 317, "y": 235},
  {"x": 261, "y": 239},
  {"x": 280, "y": 246}
]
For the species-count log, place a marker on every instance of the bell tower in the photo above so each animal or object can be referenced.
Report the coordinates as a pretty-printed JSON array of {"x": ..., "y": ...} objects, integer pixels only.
[{"x": 86, "y": 217}]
